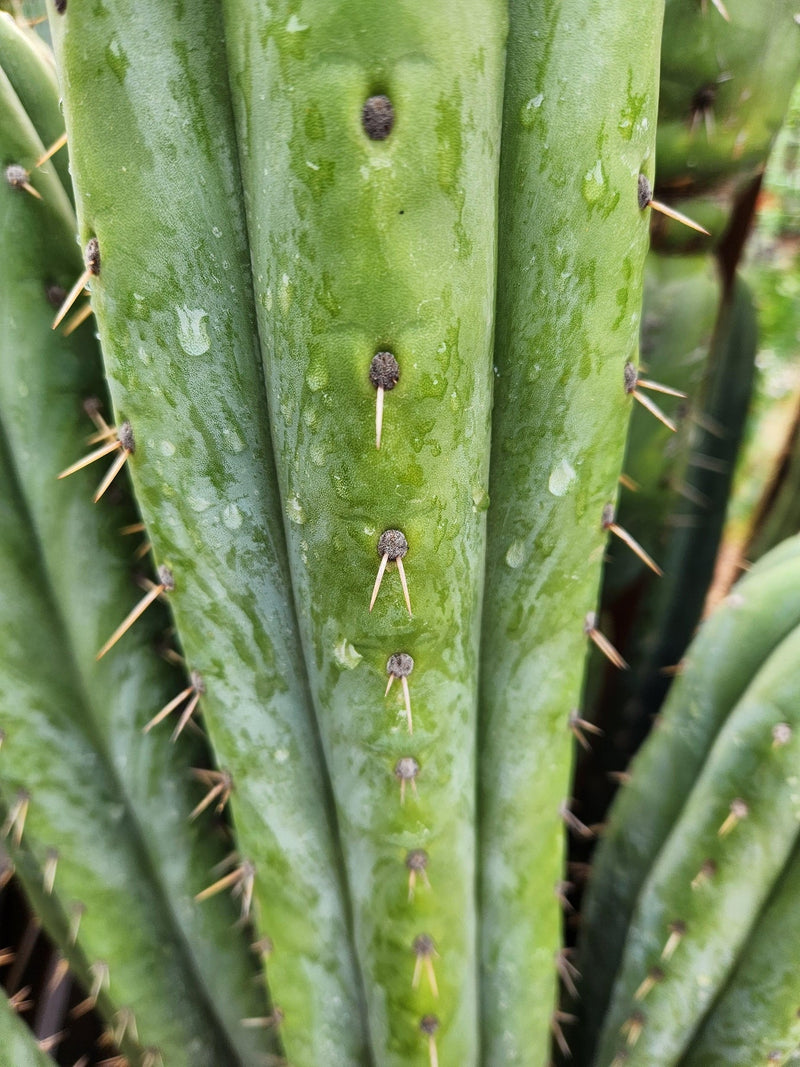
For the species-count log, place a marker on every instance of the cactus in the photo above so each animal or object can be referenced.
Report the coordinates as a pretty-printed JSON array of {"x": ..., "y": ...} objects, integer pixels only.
[
  {"x": 761, "y": 615},
  {"x": 367, "y": 287}
]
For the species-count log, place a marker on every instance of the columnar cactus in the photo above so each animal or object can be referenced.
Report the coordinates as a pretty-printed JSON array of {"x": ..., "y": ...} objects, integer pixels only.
[{"x": 367, "y": 285}]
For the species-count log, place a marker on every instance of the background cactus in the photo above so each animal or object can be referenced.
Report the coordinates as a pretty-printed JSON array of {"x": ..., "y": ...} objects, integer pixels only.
[{"x": 367, "y": 287}]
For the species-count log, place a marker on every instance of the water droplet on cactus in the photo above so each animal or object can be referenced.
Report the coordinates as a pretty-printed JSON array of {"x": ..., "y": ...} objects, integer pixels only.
[
  {"x": 561, "y": 478},
  {"x": 192, "y": 331}
]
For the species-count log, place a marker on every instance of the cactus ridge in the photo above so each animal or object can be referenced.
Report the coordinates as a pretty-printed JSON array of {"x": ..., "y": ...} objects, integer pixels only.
[
  {"x": 114, "y": 806},
  {"x": 755, "y": 1019},
  {"x": 369, "y": 237},
  {"x": 741, "y": 815},
  {"x": 559, "y": 421},
  {"x": 178, "y": 332},
  {"x": 728, "y": 651}
]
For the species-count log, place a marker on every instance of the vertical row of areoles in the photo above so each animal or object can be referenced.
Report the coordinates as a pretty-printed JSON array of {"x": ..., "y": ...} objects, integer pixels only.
[{"x": 378, "y": 119}]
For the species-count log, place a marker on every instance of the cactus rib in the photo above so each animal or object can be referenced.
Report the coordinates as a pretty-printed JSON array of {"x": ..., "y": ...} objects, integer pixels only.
[
  {"x": 174, "y": 308},
  {"x": 371, "y": 194}
]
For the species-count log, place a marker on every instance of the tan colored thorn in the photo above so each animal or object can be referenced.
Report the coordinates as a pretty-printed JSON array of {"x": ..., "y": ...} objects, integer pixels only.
[
  {"x": 561, "y": 889},
  {"x": 608, "y": 522},
  {"x": 632, "y": 1028},
  {"x": 417, "y": 867},
  {"x": 60, "y": 972},
  {"x": 92, "y": 261},
  {"x": 574, "y": 824},
  {"x": 708, "y": 868},
  {"x": 567, "y": 971},
  {"x": 645, "y": 197},
  {"x": 627, "y": 482},
  {"x": 400, "y": 665},
  {"x": 654, "y": 976},
  {"x": 220, "y": 787},
  {"x": 190, "y": 695},
  {"x": 125, "y": 1026},
  {"x": 577, "y": 725},
  {"x": 104, "y": 432},
  {"x": 78, "y": 319},
  {"x": 657, "y": 387},
  {"x": 15, "y": 820},
  {"x": 718, "y": 4},
  {"x": 429, "y": 1024},
  {"x": 425, "y": 951},
  {"x": 76, "y": 914},
  {"x": 738, "y": 811},
  {"x": 19, "y": 1001},
  {"x": 264, "y": 1022},
  {"x": 152, "y": 1058},
  {"x": 384, "y": 373},
  {"x": 100, "y": 981},
  {"x": 392, "y": 547},
  {"x": 6, "y": 956},
  {"x": 123, "y": 443},
  {"x": 165, "y": 585},
  {"x": 241, "y": 881},
  {"x": 49, "y": 870},
  {"x": 263, "y": 947},
  {"x": 556, "y": 1019},
  {"x": 677, "y": 931},
  {"x": 602, "y": 642},
  {"x": 406, "y": 770},
  {"x": 49, "y": 1044},
  {"x": 620, "y": 777},
  {"x": 51, "y": 151}
]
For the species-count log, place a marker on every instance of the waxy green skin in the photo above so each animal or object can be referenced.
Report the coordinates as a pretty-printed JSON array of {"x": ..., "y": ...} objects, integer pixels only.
[
  {"x": 728, "y": 651},
  {"x": 750, "y": 64},
  {"x": 578, "y": 129},
  {"x": 719, "y": 913},
  {"x": 756, "y": 1013},
  {"x": 113, "y": 804},
  {"x": 359, "y": 246},
  {"x": 154, "y": 161}
]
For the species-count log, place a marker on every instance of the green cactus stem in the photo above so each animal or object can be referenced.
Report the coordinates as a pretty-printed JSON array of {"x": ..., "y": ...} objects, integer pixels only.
[
  {"x": 154, "y": 160},
  {"x": 578, "y": 131},
  {"x": 756, "y": 1019},
  {"x": 725, "y": 87},
  {"x": 76, "y": 774},
  {"x": 741, "y": 814},
  {"x": 371, "y": 194},
  {"x": 728, "y": 651}
]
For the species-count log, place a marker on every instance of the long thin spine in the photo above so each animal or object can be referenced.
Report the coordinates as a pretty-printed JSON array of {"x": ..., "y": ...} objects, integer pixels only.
[
  {"x": 376, "y": 182},
  {"x": 569, "y": 218},
  {"x": 191, "y": 313}
]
